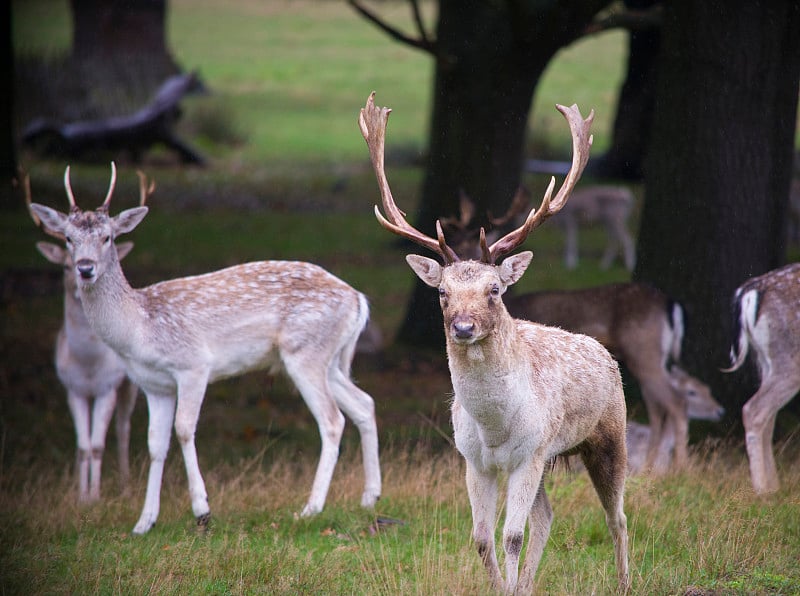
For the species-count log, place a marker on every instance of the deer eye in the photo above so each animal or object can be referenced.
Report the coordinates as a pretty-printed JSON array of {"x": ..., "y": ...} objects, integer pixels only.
[
  {"x": 107, "y": 239},
  {"x": 495, "y": 291},
  {"x": 68, "y": 240},
  {"x": 442, "y": 293}
]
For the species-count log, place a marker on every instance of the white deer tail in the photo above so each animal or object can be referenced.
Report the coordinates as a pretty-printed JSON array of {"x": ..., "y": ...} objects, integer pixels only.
[
  {"x": 677, "y": 324},
  {"x": 746, "y": 309}
]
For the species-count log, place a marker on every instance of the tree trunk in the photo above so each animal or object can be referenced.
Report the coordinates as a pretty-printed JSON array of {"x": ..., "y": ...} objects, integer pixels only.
[
  {"x": 490, "y": 57},
  {"x": 626, "y": 156},
  {"x": 717, "y": 178},
  {"x": 122, "y": 42}
]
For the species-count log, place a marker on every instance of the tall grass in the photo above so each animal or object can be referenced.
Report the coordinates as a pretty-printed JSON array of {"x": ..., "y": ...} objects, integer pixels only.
[{"x": 701, "y": 530}]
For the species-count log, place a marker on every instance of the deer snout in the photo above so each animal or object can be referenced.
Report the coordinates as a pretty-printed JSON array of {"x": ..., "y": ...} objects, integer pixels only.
[
  {"x": 86, "y": 268},
  {"x": 463, "y": 328}
]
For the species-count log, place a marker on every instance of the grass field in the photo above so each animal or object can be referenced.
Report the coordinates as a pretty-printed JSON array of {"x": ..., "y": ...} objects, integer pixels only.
[{"x": 288, "y": 79}]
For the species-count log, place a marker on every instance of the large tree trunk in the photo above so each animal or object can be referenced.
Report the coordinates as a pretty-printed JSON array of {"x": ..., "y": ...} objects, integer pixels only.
[
  {"x": 718, "y": 173},
  {"x": 490, "y": 57}
]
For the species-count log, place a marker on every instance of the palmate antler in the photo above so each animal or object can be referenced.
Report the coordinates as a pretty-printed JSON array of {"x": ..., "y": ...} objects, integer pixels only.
[{"x": 372, "y": 121}]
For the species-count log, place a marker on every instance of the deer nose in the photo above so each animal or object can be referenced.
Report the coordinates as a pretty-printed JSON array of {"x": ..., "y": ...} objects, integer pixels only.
[
  {"x": 85, "y": 268},
  {"x": 463, "y": 329}
]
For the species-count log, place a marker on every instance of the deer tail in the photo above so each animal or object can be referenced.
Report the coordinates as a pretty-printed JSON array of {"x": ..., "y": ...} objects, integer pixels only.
[{"x": 745, "y": 309}]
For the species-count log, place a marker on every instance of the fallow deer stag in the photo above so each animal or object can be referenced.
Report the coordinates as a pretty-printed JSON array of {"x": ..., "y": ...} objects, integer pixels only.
[
  {"x": 643, "y": 328},
  {"x": 91, "y": 372},
  {"x": 524, "y": 393},
  {"x": 177, "y": 336},
  {"x": 767, "y": 320}
]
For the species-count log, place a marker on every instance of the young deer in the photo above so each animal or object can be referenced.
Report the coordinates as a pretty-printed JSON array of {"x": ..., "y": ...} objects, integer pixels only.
[
  {"x": 769, "y": 323},
  {"x": 177, "y": 336},
  {"x": 524, "y": 393},
  {"x": 644, "y": 329},
  {"x": 92, "y": 373}
]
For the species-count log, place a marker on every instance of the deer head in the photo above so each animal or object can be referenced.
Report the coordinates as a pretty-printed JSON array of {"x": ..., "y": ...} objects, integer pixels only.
[
  {"x": 463, "y": 285},
  {"x": 90, "y": 235}
]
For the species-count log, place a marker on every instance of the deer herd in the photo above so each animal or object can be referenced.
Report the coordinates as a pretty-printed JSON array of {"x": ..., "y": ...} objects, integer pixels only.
[{"x": 535, "y": 376}]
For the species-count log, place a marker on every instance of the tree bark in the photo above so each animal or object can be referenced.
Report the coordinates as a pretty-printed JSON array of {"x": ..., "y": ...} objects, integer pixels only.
[
  {"x": 489, "y": 58},
  {"x": 718, "y": 173}
]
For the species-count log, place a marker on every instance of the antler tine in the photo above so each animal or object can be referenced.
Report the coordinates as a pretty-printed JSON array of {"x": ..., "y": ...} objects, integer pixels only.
[
  {"x": 68, "y": 188},
  {"x": 111, "y": 185},
  {"x": 26, "y": 185},
  {"x": 581, "y": 143},
  {"x": 372, "y": 122},
  {"x": 145, "y": 189}
]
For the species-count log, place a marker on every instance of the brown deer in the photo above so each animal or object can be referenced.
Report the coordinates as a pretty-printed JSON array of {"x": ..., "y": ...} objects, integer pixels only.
[
  {"x": 91, "y": 372},
  {"x": 768, "y": 323},
  {"x": 177, "y": 336},
  {"x": 643, "y": 328},
  {"x": 524, "y": 393}
]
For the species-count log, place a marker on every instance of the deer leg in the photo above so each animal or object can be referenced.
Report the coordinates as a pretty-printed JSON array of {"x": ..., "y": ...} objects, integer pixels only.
[
  {"x": 656, "y": 417},
  {"x": 79, "y": 408},
  {"x": 571, "y": 243},
  {"x": 360, "y": 408},
  {"x": 311, "y": 380},
  {"x": 482, "y": 491},
  {"x": 102, "y": 411},
  {"x": 606, "y": 462},
  {"x": 540, "y": 520},
  {"x": 758, "y": 416},
  {"x": 161, "y": 411},
  {"x": 191, "y": 390},
  {"x": 523, "y": 490},
  {"x": 126, "y": 401}
]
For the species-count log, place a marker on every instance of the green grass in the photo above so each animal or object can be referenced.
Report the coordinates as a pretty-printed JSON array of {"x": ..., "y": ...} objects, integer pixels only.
[{"x": 288, "y": 80}]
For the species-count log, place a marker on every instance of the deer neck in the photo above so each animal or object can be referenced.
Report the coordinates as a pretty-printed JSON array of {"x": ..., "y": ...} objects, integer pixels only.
[{"x": 113, "y": 308}]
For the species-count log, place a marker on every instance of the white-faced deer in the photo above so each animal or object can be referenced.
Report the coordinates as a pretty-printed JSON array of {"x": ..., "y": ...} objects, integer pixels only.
[
  {"x": 177, "y": 336},
  {"x": 524, "y": 393},
  {"x": 768, "y": 324},
  {"x": 92, "y": 373},
  {"x": 609, "y": 206},
  {"x": 643, "y": 328}
]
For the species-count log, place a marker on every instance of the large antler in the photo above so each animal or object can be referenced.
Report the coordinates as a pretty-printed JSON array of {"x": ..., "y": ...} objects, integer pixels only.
[
  {"x": 581, "y": 142},
  {"x": 372, "y": 122}
]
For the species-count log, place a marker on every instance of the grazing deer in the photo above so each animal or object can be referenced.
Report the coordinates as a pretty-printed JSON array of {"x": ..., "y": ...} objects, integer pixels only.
[
  {"x": 92, "y": 373},
  {"x": 768, "y": 323},
  {"x": 607, "y": 205},
  {"x": 177, "y": 336},
  {"x": 524, "y": 393},
  {"x": 644, "y": 329}
]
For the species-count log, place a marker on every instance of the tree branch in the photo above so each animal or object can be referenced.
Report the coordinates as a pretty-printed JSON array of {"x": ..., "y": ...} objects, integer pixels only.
[{"x": 422, "y": 43}]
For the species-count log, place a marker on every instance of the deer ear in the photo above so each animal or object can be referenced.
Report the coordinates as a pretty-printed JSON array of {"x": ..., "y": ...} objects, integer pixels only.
[
  {"x": 53, "y": 220},
  {"x": 427, "y": 270},
  {"x": 512, "y": 268},
  {"x": 52, "y": 252},
  {"x": 123, "y": 248},
  {"x": 128, "y": 220}
]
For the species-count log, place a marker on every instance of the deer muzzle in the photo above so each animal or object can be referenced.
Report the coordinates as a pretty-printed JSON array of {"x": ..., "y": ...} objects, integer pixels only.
[
  {"x": 463, "y": 328},
  {"x": 86, "y": 269}
]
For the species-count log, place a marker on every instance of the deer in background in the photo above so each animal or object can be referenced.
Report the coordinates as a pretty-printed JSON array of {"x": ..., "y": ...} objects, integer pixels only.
[
  {"x": 644, "y": 329},
  {"x": 523, "y": 393},
  {"x": 768, "y": 322},
  {"x": 92, "y": 373},
  {"x": 177, "y": 336}
]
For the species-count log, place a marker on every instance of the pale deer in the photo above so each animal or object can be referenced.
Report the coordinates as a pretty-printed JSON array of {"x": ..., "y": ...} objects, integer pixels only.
[
  {"x": 91, "y": 372},
  {"x": 768, "y": 322},
  {"x": 609, "y": 206},
  {"x": 642, "y": 328},
  {"x": 523, "y": 393},
  {"x": 177, "y": 336}
]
